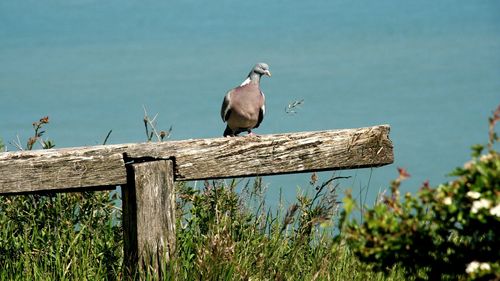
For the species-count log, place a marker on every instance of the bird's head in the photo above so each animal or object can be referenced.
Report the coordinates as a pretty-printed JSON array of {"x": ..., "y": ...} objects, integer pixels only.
[{"x": 261, "y": 69}]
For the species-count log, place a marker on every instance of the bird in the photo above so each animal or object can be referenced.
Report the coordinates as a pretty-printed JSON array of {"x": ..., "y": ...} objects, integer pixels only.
[{"x": 243, "y": 107}]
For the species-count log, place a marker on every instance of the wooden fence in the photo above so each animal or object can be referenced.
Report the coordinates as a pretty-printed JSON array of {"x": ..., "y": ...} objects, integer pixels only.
[{"x": 147, "y": 172}]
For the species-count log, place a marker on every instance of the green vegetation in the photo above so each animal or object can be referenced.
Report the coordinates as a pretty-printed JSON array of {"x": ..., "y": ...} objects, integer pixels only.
[
  {"x": 63, "y": 236},
  {"x": 227, "y": 235},
  {"x": 448, "y": 232},
  {"x": 234, "y": 237}
]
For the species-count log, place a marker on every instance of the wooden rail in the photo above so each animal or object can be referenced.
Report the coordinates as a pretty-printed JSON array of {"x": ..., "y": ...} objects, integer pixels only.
[{"x": 144, "y": 168}]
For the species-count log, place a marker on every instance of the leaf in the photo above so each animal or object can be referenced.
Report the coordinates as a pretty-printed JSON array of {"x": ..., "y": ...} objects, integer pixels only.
[
  {"x": 349, "y": 204},
  {"x": 477, "y": 149}
]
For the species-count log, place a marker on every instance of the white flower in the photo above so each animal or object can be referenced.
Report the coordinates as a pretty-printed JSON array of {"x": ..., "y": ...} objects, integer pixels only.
[
  {"x": 447, "y": 201},
  {"x": 473, "y": 194},
  {"x": 486, "y": 157},
  {"x": 485, "y": 266},
  {"x": 480, "y": 204},
  {"x": 468, "y": 165},
  {"x": 472, "y": 267},
  {"x": 495, "y": 211},
  {"x": 475, "y": 266}
]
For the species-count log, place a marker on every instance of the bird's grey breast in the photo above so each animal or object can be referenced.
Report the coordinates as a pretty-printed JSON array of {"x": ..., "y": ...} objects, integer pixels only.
[
  {"x": 248, "y": 99},
  {"x": 246, "y": 103}
]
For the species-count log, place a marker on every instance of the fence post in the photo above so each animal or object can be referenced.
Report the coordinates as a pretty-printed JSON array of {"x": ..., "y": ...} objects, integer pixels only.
[{"x": 148, "y": 215}]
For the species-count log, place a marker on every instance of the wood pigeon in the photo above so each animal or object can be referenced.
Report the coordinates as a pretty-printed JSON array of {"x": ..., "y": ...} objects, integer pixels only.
[{"x": 244, "y": 107}]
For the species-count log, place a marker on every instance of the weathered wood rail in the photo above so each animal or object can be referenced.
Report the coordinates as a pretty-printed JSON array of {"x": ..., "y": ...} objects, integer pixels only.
[{"x": 147, "y": 171}]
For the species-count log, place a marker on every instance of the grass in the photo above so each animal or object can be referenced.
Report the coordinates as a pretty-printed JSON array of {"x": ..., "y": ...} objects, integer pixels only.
[
  {"x": 58, "y": 237},
  {"x": 221, "y": 235}
]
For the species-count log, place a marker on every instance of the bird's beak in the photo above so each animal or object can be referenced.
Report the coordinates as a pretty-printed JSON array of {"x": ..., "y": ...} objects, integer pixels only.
[{"x": 268, "y": 73}]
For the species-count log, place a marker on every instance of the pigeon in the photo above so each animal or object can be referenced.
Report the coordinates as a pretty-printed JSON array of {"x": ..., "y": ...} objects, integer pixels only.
[{"x": 244, "y": 107}]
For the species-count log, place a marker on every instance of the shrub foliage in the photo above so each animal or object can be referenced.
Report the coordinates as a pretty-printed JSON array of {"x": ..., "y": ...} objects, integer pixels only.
[{"x": 447, "y": 232}]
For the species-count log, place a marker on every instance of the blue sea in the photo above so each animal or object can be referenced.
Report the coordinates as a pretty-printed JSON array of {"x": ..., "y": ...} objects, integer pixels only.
[{"x": 430, "y": 69}]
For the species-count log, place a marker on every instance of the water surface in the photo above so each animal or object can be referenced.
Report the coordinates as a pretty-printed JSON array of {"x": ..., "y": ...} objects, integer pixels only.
[{"x": 429, "y": 69}]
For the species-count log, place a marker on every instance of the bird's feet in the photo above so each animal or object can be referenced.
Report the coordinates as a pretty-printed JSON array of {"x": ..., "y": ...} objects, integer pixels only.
[{"x": 252, "y": 134}]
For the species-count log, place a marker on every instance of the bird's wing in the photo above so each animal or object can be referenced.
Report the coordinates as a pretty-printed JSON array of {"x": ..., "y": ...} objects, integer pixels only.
[
  {"x": 262, "y": 110},
  {"x": 226, "y": 107}
]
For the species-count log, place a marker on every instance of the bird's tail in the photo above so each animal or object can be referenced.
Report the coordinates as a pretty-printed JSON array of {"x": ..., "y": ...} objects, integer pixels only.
[{"x": 228, "y": 132}]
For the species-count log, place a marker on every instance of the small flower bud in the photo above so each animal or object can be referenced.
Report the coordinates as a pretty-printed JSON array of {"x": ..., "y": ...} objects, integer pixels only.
[
  {"x": 163, "y": 134},
  {"x": 44, "y": 120}
]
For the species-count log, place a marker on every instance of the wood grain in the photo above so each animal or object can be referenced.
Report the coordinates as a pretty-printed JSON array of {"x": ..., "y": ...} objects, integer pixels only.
[
  {"x": 37, "y": 170},
  {"x": 195, "y": 159},
  {"x": 149, "y": 214}
]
